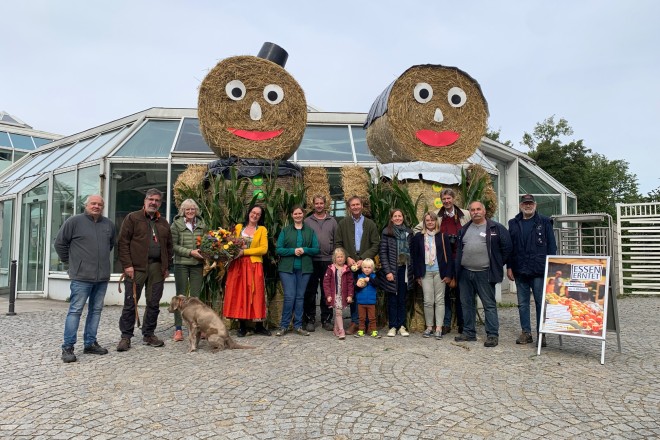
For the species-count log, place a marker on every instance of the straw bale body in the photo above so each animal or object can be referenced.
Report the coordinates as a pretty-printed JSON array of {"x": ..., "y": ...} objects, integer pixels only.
[
  {"x": 355, "y": 182},
  {"x": 191, "y": 178},
  {"x": 430, "y": 113},
  {"x": 429, "y": 195},
  {"x": 316, "y": 181},
  {"x": 251, "y": 107}
]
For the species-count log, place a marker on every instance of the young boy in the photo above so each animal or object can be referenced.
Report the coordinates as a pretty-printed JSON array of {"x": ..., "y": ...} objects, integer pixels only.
[{"x": 365, "y": 293}]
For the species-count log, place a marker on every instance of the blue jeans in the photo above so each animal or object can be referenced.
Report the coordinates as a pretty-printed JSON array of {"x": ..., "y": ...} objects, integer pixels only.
[
  {"x": 294, "y": 285},
  {"x": 448, "y": 308},
  {"x": 396, "y": 302},
  {"x": 525, "y": 284},
  {"x": 472, "y": 284},
  {"x": 355, "y": 318},
  {"x": 80, "y": 292}
]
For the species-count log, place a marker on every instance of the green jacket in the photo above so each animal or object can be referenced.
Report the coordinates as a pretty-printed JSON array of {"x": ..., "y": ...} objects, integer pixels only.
[
  {"x": 345, "y": 238},
  {"x": 185, "y": 241},
  {"x": 286, "y": 246}
]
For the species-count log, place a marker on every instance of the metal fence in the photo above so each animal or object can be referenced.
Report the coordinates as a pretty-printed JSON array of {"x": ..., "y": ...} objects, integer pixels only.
[
  {"x": 587, "y": 235},
  {"x": 638, "y": 248}
]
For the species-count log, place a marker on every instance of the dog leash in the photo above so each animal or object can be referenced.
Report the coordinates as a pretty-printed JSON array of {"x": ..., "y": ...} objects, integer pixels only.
[{"x": 137, "y": 312}]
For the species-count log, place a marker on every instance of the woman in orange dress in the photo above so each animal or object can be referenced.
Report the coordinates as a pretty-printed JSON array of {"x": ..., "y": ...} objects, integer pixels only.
[{"x": 245, "y": 292}]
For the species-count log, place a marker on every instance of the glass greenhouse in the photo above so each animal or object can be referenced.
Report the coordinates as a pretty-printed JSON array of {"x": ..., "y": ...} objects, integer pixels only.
[{"x": 47, "y": 184}]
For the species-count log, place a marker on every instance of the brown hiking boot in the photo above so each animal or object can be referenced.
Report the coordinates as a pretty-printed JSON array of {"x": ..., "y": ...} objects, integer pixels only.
[
  {"x": 352, "y": 329},
  {"x": 525, "y": 338},
  {"x": 153, "y": 341},
  {"x": 124, "y": 344}
]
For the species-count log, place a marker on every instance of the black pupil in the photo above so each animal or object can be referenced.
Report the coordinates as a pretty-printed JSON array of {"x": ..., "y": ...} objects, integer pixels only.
[
  {"x": 455, "y": 99},
  {"x": 272, "y": 95},
  {"x": 423, "y": 93},
  {"x": 236, "y": 92}
]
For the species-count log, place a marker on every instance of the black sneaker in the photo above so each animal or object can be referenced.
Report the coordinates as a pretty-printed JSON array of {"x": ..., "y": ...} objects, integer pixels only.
[
  {"x": 67, "y": 355},
  {"x": 259, "y": 329},
  {"x": 465, "y": 338},
  {"x": 153, "y": 341},
  {"x": 310, "y": 327},
  {"x": 124, "y": 344},
  {"x": 491, "y": 341},
  {"x": 241, "y": 332},
  {"x": 95, "y": 348},
  {"x": 328, "y": 326}
]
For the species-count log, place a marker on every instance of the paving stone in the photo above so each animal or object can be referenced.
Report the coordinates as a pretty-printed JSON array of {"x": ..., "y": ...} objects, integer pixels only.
[{"x": 319, "y": 387}]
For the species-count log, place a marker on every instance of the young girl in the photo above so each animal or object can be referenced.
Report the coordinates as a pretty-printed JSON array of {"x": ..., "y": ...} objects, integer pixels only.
[
  {"x": 365, "y": 294},
  {"x": 338, "y": 286}
]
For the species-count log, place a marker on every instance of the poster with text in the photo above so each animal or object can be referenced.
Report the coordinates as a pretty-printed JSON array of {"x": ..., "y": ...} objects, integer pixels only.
[{"x": 575, "y": 296}]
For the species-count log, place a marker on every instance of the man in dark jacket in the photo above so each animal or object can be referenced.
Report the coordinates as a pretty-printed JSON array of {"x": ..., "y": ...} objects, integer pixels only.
[
  {"x": 145, "y": 251},
  {"x": 483, "y": 247},
  {"x": 533, "y": 240},
  {"x": 360, "y": 239},
  {"x": 85, "y": 242}
]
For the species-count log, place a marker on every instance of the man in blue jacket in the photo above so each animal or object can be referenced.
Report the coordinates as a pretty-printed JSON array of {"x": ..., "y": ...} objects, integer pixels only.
[
  {"x": 483, "y": 248},
  {"x": 533, "y": 240},
  {"x": 85, "y": 242}
]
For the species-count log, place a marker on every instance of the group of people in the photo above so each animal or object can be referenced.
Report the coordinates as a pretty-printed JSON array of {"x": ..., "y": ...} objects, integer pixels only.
[{"x": 454, "y": 255}]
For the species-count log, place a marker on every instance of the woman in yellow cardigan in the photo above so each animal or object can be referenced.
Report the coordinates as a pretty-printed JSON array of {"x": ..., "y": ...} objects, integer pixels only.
[{"x": 245, "y": 292}]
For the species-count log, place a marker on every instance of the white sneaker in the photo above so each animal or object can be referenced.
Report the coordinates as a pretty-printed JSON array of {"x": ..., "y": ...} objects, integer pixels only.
[
  {"x": 403, "y": 331},
  {"x": 392, "y": 332}
]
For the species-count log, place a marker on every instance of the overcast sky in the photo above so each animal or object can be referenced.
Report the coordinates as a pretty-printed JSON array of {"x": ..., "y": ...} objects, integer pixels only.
[{"x": 67, "y": 66}]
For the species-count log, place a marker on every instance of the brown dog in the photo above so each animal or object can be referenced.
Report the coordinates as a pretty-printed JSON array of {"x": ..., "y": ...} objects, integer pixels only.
[{"x": 201, "y": 318}]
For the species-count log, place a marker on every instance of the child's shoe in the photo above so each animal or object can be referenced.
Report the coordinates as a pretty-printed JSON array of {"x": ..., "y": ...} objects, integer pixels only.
[
  {"x": 341, "y": 335},
  {"x": 374, "y": 334},
  {"x": 359, "y": 334},
  {"x": 403, "y": 331},
  {"x": 392, "y": 332}
]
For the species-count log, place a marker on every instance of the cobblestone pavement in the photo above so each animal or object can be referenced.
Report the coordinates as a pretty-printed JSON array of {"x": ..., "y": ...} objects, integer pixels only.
[{"x": 318, "y": 387}]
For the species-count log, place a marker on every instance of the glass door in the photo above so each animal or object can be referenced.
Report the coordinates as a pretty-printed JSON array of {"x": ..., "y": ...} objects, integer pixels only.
[
  {"x": 6, "y": 235},
  {"x": 33, "y": 241}
]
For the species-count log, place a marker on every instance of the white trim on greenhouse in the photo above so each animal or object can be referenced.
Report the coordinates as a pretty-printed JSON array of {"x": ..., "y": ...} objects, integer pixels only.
[{"x": 123, "y": 158}]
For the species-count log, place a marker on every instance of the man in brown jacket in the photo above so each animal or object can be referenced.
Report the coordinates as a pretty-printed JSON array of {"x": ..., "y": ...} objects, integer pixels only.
[{"x": 145, "y": 251}]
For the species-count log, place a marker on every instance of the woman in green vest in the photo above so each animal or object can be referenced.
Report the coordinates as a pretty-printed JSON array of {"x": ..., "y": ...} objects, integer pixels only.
[{"x": 296, "y": 245}]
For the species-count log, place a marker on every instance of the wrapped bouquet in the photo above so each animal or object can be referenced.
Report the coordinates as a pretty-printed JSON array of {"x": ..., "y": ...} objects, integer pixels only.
[{"x": 220, "y": 246}]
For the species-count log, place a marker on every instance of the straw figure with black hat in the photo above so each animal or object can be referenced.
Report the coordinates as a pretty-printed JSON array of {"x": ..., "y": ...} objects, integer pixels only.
[
  {"x": 251, "y": 107},
  {"x": 252, "y": 114}
]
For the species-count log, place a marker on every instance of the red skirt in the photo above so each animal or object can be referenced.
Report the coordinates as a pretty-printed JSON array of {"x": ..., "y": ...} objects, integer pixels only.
[{"x": 245, "y": 293}]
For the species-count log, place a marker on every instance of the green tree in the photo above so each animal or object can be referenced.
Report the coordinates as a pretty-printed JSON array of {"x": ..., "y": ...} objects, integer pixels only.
[
  {"x": 598, "y": 183},
  {"x": 495, "y": 136}
]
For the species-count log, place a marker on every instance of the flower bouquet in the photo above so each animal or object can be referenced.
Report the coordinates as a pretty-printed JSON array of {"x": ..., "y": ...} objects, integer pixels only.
[{"x": 219, "y": 246}]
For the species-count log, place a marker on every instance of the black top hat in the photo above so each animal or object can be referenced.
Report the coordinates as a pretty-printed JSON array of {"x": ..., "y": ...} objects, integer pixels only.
[{"x": 273, "y": 52}]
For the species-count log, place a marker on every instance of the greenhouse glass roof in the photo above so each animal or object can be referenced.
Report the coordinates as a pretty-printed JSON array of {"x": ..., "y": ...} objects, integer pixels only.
[{"x": 173, "y": 134}]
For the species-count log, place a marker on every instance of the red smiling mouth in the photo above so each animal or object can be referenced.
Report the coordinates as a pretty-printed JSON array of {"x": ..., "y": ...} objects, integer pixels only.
[
  {"x": 255, "y": 135},
  {"x": 437, "y": 138}
]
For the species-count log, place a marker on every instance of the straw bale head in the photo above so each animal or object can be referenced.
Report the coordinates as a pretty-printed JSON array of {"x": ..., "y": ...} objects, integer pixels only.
[
  {"x": 430, "y": 113},
  {"x": 251, "y": 107}
]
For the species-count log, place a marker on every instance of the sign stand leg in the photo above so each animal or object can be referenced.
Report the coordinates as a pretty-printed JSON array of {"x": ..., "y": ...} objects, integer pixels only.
[{"x": 602, "y": 353}]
